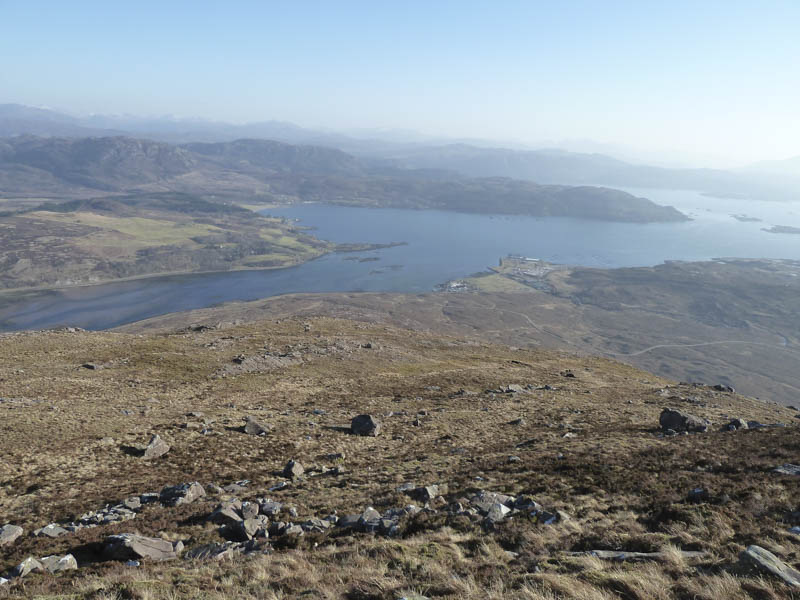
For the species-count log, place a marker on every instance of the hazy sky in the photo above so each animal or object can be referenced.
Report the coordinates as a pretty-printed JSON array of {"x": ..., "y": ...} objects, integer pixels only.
[{"x": 702, "y": 77}]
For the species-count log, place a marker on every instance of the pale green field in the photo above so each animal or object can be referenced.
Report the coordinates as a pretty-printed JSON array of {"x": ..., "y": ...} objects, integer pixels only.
[
  {"x": 497, "y": 283},
  {"x": 145, "y": 232}
]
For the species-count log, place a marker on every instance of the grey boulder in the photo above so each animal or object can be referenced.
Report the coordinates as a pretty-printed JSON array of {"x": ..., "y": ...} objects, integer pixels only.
[
  {"x": 56, "y": 564},
  {"x": 9, "y": 534},
  {"x": 29, "y": 565},
  {"x": 678, "y": 420},
  {"x": 365, "y": 425},
  {"x": 497, "y": 512},
  {"x": 131, "y": 546},
  {"x": 427, "y": 493},
  {"x": 184, "y": 493},
  {"x": 253, "y": 427},
  {"x": 736, "y": 424},
  {"x": 156, "y": 447},
  {"x": 52, "y": 531},
  {"x": 293, "y": 469},
  {"x": 228, "y": 513}
]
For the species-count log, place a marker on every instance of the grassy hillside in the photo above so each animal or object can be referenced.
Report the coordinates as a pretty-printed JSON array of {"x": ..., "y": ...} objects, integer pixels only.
[
  {"x": 731, "y": 321},
  {"x": 579, "y": 435}
]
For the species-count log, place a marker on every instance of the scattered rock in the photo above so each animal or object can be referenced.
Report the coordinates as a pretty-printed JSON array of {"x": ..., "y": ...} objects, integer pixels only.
[
  {"x": 155, "y": 448},
  {"x": 761, "y": 560},
  {"x": 679, "y": 421},
  {"x": 183, "y": 493},
  {"x": 293, "y": 470},
  {"x": 130, "y": 546},
  {"x": 253, "y": 427},
  {"x": 723, "y": 388},
  {"x": 519, "y": 421},
  {"x": 10, "y": 533},
  {"x": 365, "y": 425}
]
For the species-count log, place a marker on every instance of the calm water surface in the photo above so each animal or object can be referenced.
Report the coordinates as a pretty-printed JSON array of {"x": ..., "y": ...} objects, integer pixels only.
[{"x": 441, "y": 246}]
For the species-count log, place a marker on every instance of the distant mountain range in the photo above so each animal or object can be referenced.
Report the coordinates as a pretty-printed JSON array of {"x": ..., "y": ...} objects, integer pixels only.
[
  {"x": 773, "y": 180},
  {"x": 271, "y": 171}
]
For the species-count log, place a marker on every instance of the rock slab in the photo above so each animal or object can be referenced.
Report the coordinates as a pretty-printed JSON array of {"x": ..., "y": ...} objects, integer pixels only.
[{"x": 764, "y": 561}]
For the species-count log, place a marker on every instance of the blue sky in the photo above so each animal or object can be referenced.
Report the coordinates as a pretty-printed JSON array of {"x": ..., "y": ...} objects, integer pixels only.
[{"x": 716, "y": 78}]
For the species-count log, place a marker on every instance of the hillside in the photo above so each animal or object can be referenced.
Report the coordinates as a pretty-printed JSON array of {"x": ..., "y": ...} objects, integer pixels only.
[
  {"x": 264, "y": 171},
  {"x": 732, "y": 322},
  {"x": 573, "y": 442},
  {"x": 572, "y": 168},
  {"x": 768, "y": 180},
  {"x": 83, "y": 242}
]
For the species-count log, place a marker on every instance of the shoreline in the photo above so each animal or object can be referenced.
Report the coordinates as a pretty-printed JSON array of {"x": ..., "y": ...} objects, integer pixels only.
[{"x": 338, "y": 249}]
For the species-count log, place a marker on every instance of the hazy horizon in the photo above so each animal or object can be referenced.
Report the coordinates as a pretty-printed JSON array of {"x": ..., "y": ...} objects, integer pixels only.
[{"x": 711, "y": 85}]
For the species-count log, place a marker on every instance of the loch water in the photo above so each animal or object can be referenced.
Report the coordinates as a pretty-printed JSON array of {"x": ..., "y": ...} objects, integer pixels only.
[{"x": 439, "y": 246}]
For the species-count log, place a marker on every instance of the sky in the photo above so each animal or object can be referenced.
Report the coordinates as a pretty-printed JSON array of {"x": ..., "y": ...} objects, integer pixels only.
[{"x": 713, "y": 81}]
